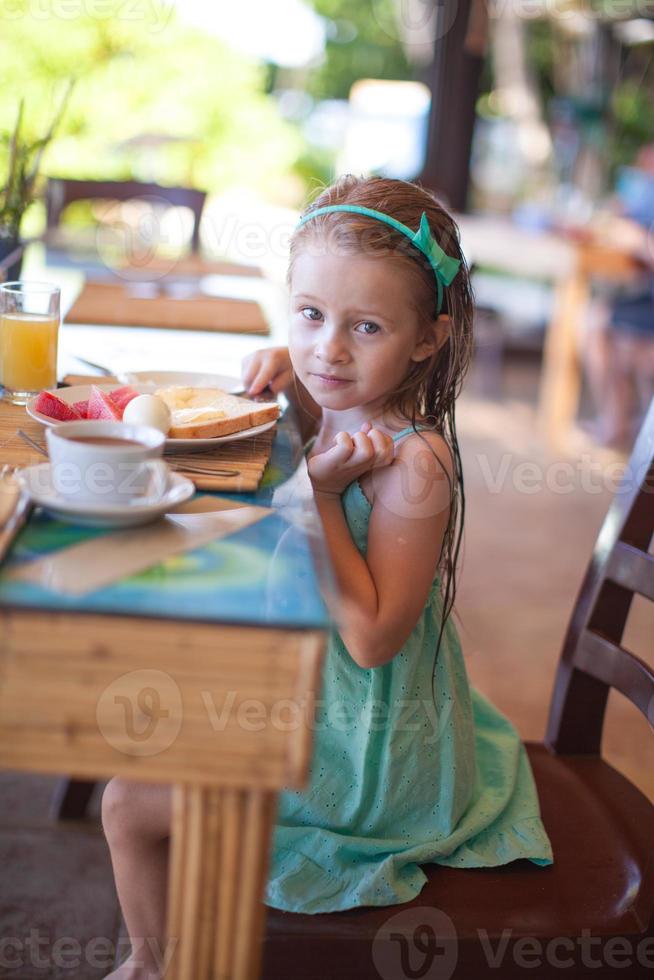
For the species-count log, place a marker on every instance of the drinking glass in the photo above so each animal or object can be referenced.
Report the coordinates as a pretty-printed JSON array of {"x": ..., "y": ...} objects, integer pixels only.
[{"x": 29, "y": 329}]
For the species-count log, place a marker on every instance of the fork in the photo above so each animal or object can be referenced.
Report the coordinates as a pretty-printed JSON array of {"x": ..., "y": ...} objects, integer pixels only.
[
  {"x": 194, "y": 470},
  {"x": 191, "y": 468},
  {"x": 20, "y": 509},
  {"x": 31, "y": 442}
]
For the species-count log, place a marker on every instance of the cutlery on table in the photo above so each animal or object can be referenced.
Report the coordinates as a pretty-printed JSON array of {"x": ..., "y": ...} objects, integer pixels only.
[
  {"x": 30, "y": 442},
  {"x": 102, "y": 368},
  {"x": 190, "y": 468},
  {"x": 193, "y": 470},
  {"x": 15, "y": 508}
]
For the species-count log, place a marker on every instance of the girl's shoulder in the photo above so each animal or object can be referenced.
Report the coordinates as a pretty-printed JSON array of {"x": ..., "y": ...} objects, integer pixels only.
[
  {"x": 413, "y": 447},
  {"x": 422, "y": 470}
]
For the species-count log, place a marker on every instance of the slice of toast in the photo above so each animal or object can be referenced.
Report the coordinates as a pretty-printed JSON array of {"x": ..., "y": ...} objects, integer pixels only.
[{"x": 206, "y": 413}]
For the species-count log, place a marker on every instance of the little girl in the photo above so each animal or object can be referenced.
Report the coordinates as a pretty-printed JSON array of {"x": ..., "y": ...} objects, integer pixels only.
[{"x": 410, "y": 764}]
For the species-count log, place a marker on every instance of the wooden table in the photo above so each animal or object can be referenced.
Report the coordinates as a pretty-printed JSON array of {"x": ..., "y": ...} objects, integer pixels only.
[
  {"x": 562, "y": 372},
  {"x": 201, "y": 673},
  {"x": 570, "y": 266}
]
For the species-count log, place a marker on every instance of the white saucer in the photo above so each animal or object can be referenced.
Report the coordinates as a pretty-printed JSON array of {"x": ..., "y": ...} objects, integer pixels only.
[
  {"x": 76, "y": 393},
  {"x": 37, "y": 482}
]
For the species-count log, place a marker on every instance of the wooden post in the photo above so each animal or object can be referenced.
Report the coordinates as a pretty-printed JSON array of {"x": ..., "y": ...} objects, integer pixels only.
[{"x": 453, "y": 78}]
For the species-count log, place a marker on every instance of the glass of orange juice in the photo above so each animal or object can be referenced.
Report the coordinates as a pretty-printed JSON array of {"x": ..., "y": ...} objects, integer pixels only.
[{"x": 29, "y": 330}]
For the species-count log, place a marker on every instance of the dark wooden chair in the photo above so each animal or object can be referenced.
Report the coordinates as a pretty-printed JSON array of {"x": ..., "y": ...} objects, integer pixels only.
[
  {"x": 591, "y": 913},
  {"x": 61, "y": 192}
]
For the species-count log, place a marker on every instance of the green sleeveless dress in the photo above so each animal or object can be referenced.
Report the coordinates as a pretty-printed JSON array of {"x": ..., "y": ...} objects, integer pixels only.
[{"x": 410, "y": 766}]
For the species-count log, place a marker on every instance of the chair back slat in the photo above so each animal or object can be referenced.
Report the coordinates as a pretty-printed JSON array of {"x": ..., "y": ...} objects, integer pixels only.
[
  {"x": 619, "y": 668},
  {"x": 593, "y": 659},
  {"x": 61, "y": 192},
  {"x": 632, "y": 569}
]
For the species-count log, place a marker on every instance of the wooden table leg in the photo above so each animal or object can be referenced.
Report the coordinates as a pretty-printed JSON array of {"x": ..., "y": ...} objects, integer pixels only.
[
  {"x": 219, "y": 859},
  {"x": 561, "y": 372}
]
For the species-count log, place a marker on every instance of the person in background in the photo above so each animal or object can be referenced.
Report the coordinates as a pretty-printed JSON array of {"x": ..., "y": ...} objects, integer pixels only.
[{"x": 618, "y": 346}]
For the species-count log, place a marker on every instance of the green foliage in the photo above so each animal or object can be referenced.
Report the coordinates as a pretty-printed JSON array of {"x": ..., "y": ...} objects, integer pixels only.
[
  {"x": 634, "y": 126},
  {"x": 20, "y": 160},
  {"x": 365, "y": 43},
  {"x": 141, "y": 72}
]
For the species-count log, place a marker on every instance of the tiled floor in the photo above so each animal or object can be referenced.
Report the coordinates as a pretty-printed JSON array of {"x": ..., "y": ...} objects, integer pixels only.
[
  {"x": 58, "y": 909},
  {"x": 524, "y": 556}
]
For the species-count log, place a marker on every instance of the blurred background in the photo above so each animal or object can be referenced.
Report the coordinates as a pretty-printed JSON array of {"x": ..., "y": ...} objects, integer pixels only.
[{"x": 191, "y": 93}]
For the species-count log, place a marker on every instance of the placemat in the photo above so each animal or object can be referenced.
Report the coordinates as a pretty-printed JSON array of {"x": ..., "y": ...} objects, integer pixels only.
[
  {"x": 116, "y": 304},
  {"x": 245, "y": 461}
]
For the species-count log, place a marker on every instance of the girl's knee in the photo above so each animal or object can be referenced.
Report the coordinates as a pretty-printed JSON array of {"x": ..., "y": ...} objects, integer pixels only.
[
  {"x": 131, "y": 809},
  {"x": 117, "y": 802}
]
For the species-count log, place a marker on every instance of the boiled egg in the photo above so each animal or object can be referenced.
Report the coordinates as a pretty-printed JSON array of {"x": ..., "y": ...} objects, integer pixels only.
[{"x": 148, "y": 410}]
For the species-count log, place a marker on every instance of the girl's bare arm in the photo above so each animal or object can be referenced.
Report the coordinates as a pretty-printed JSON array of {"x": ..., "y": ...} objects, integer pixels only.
[{"x": 382, "y": 594}]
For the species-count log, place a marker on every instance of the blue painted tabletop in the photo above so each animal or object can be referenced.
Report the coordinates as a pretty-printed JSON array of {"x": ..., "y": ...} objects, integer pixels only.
[{"x": 272, "y": 573}]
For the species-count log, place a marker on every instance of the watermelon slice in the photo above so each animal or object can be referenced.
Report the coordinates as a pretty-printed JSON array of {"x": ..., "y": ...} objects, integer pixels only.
[
  {"x": 101, "y": 406},
  {"x": 55, "y": 407},
  {"x": 82, "y": 407},
  {"x": 122, "y": 396}
]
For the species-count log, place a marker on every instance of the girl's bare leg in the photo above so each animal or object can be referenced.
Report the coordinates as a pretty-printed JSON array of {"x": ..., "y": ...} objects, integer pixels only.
[{"x": 136, "y": 818}]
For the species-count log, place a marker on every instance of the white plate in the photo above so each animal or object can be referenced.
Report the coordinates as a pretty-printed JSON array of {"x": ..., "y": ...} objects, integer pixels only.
[
  {"x": 37, "y": 482},
  {"x": 78, "y": 393},
  {"x": 194, "y": 379}
]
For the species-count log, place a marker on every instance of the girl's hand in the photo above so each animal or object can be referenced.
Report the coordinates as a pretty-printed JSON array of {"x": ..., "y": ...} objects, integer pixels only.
[
  {"x": 270, "y": 367},
  {"x": 349, "y": 458}
]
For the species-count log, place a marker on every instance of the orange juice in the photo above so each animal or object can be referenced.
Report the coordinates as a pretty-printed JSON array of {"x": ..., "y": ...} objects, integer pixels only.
[{"x": 28, "y": 351}]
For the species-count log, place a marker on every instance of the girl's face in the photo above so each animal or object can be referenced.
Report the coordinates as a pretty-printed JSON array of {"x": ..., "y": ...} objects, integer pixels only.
[{"x": 354, "y": 330}]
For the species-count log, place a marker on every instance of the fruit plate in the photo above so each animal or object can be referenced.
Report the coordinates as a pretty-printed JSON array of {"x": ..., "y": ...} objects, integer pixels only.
[{"x": 78, "y": 393}]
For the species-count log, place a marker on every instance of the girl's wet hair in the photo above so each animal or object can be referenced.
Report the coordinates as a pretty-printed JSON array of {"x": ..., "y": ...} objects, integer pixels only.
[{"x": 432, "y": 386}]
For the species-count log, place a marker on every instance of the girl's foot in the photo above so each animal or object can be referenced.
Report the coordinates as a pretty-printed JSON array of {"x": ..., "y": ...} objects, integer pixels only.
[{"x": 133, "y": 969}]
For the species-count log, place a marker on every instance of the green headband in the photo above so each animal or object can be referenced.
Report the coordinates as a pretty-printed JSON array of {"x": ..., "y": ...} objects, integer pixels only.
[{"x": 444, "y": 266}]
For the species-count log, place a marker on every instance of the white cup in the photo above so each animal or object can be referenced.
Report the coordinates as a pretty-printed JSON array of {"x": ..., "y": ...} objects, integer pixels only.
[{"x": 107, "y": 472}]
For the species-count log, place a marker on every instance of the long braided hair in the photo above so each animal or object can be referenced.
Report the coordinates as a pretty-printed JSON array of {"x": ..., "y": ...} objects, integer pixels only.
[{"x": 432, "y": 386}]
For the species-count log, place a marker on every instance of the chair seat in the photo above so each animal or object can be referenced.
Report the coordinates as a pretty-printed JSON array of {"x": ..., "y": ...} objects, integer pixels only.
[{"x": 602, "y": 880}]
